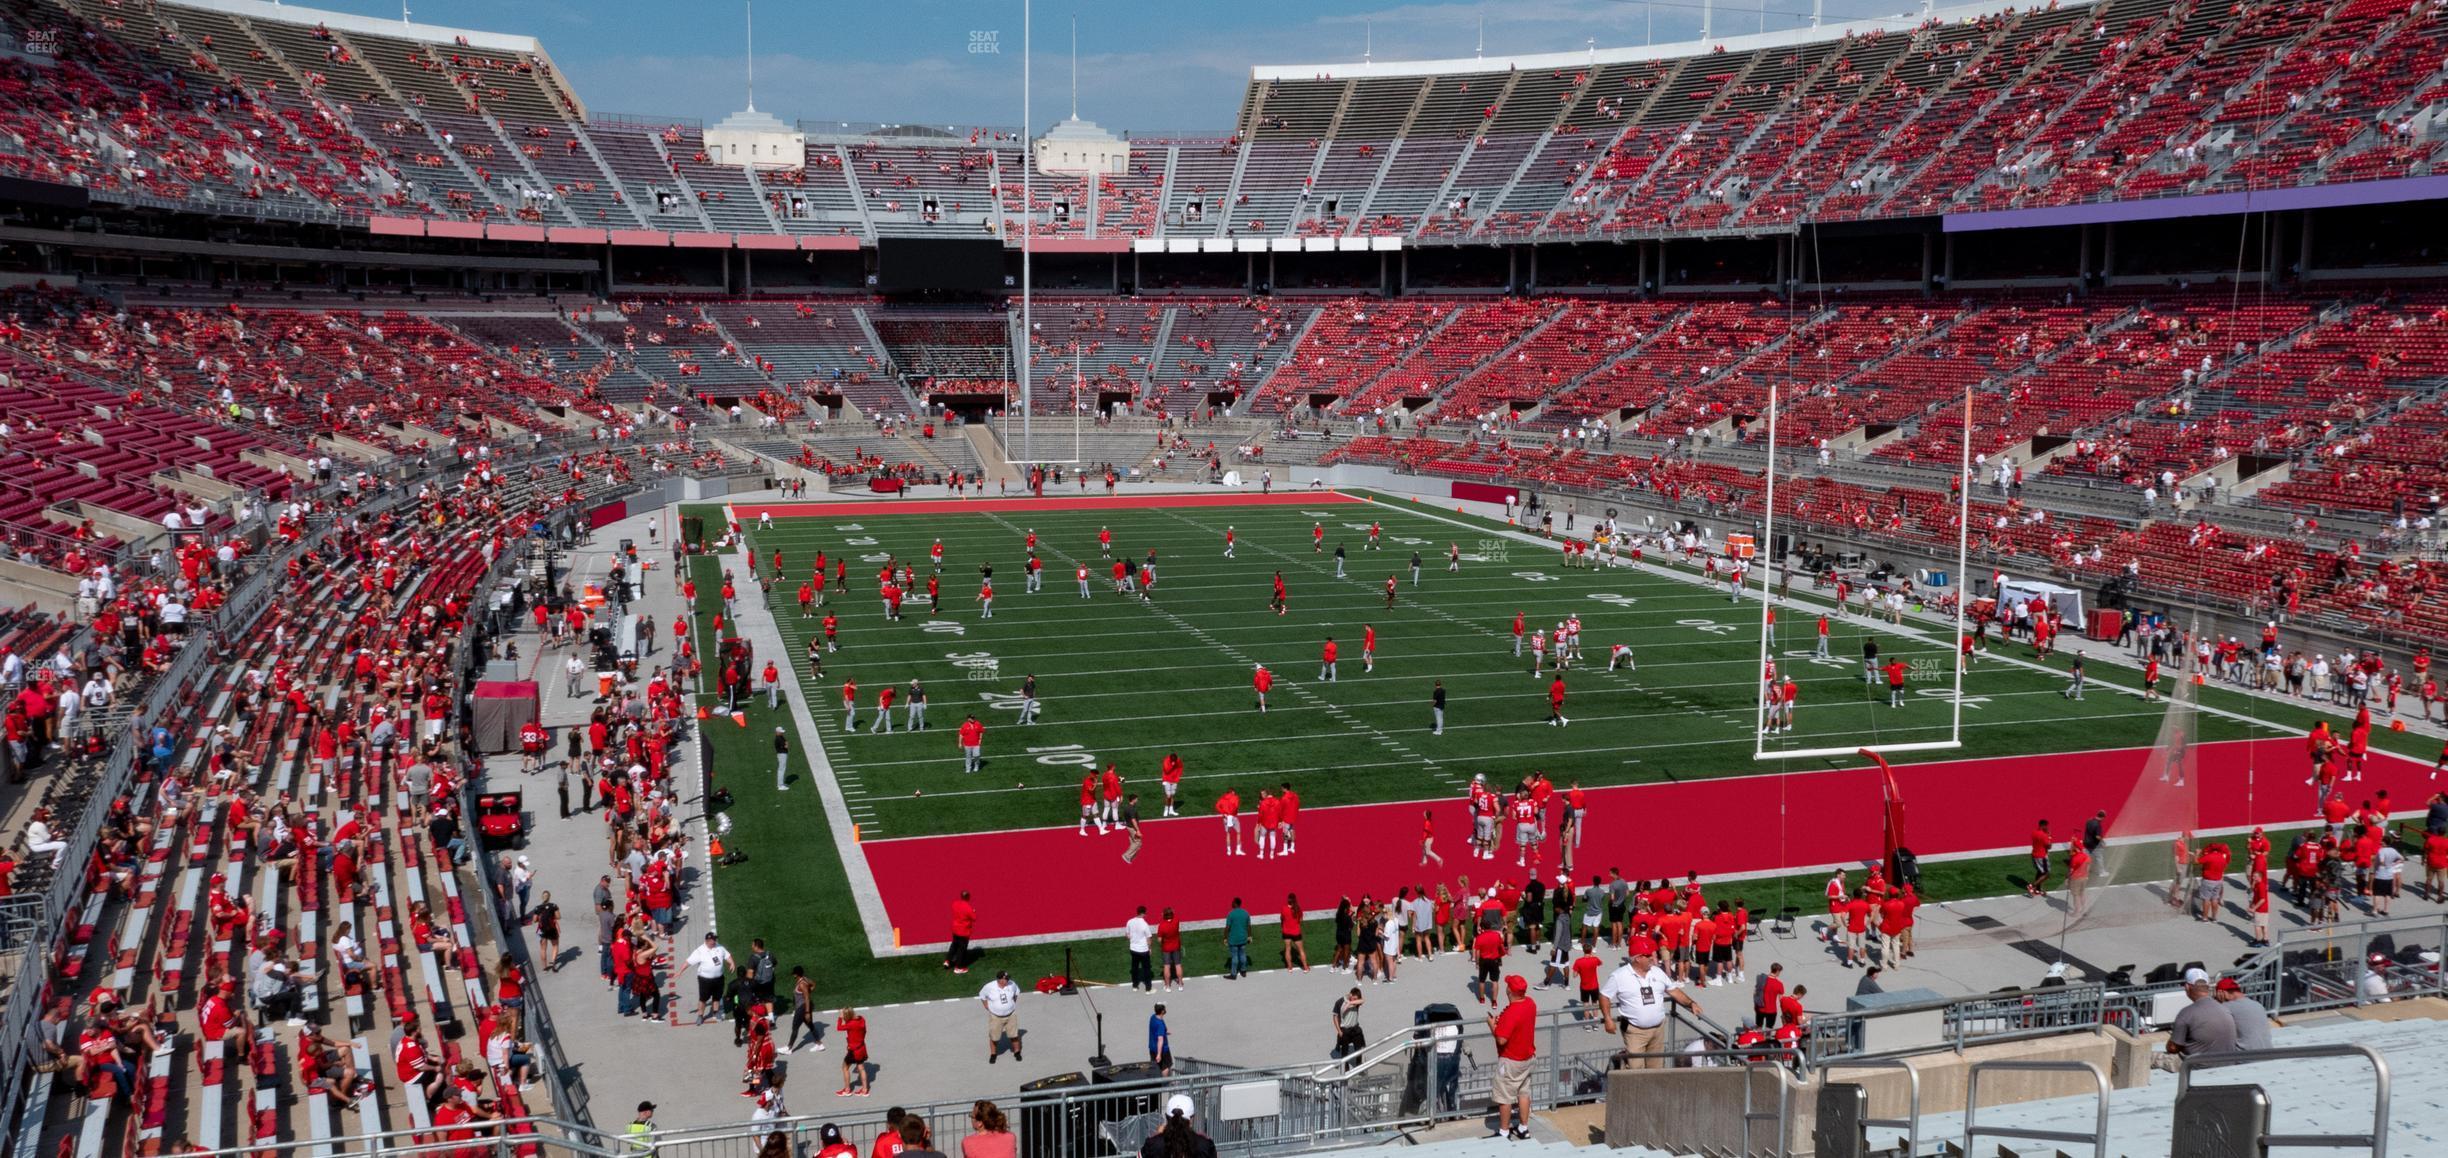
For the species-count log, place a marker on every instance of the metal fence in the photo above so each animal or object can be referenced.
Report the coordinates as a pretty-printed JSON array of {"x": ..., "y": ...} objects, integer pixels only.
[
  {"x": 20, "y": 917},
  {"x": 2359, "y": 963},
  {"x": 2382, "y": 959},
  {"x": 1393, "y": 1086},
  {"x": 1831, "y": 1038},
  {"x": 2367, "y": 962}
]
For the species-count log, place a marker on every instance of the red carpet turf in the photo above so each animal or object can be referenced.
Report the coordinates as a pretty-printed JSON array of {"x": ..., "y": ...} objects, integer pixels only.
[{"x": 1043, "y": 881}]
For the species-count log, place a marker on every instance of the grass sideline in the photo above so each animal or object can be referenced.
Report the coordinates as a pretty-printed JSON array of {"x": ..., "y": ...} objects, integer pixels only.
[{"x": 804, "y": 910}]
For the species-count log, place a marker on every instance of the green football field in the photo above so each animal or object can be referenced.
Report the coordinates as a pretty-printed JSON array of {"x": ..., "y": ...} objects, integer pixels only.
[{"x": 1126, "y": 682}]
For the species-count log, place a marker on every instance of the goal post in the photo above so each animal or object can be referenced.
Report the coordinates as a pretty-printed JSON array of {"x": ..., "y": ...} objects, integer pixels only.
[
  {"x": 1771, "y": 560},
  {"x": 1021, "y": 451}
]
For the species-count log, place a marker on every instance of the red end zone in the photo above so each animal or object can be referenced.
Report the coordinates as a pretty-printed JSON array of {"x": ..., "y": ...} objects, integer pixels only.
[
  {"x": 1050, "y": 881},
  {"x": 1049, "y": 503}
]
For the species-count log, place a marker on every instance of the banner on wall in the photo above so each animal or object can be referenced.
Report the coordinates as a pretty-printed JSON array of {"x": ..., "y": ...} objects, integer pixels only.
[{"x": 1485, "y": 492}]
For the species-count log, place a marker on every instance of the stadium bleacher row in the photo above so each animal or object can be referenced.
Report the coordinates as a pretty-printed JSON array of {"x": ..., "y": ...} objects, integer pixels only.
[
  {"x": 2336, "y": 406},
  {"x": 272, "y": 824},
  {"x": 2017, "y": 107},
  {"x": 2261, "y": 575},
  {"x": 120, "y": 418}
]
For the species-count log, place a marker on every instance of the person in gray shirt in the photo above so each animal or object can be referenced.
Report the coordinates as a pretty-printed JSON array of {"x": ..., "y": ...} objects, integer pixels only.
[
  {"x": 419, "y": 782},
  {"x": 1619, "y": 905},
  {"x": 1869, "y": 983},
  {"x": 2200, "y": 1029},
  {"x": 2252, "y": 1019}
]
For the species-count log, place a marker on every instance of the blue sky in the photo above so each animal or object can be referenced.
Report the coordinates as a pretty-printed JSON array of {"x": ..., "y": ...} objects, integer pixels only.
[{"x": 1149, "y": 65}]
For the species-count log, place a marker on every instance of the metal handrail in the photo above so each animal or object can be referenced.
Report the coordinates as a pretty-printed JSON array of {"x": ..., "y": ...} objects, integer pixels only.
[
  {"x": 2097, "y": 1139},
  {"x": 1910, "y": 1123},
  {"x": 1784, "y": 1110},
  {"x": 2376, "y": 1141},
  {"x": 1831, "y": 1037}
]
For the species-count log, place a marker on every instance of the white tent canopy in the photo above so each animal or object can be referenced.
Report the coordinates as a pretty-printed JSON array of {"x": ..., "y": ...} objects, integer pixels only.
[{"x": 2067, "y": 600}]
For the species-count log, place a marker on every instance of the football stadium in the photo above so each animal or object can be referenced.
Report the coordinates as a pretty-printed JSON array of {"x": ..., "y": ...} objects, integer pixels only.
[{"x": 1698, "y": 581}]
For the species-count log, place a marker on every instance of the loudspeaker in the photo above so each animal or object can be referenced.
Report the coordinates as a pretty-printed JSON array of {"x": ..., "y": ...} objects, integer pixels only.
[{"x": 1049, "y": 1124}]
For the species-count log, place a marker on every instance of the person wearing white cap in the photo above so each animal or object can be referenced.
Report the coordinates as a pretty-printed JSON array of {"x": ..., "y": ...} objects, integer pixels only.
[
  {"x": 2199, "y": 1029},
  {"x": 2374, "y": 986},
  {"x": 781, "y": 760},
  {"x": 522, "y": 879},
  {"x": 1178, "y": 1138}
]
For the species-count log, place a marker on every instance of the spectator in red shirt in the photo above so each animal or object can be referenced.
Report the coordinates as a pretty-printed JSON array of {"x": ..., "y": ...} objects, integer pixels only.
[
  {"x": 2213, "y": 885},
  {"x": 964, "y": 923},
  {"x": 1895, "y": 920},
  {"x": 853, "y": 1030},
  {"x": 1488, "y": 950},
  {"x": 1585, "y": 972},
  {"x": 415, "y": 1067},
  {"x": 1857, "y": 929},
  {"x": 1295, "y": 954},
  {"x": 1768, "y": 993},
  {"x": 1516, "y": 1033},
  {"x": 829, "y": 1138},
  {"x": 1789, "y": 1007},
  {"x": 2040, "y": 842}
]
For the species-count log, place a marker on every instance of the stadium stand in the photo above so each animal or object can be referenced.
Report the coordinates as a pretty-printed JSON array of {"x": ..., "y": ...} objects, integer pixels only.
[
  {"x": 268, "y": 816},
  {"x": 2056, "y": 105}
]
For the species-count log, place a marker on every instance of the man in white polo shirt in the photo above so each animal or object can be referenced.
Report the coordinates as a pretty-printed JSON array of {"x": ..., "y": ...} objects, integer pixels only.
[
  {"x": 1002, "y": 1001},
  {"x": 712, "y": 964},
  {"x": 1635, "y": 997}
]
